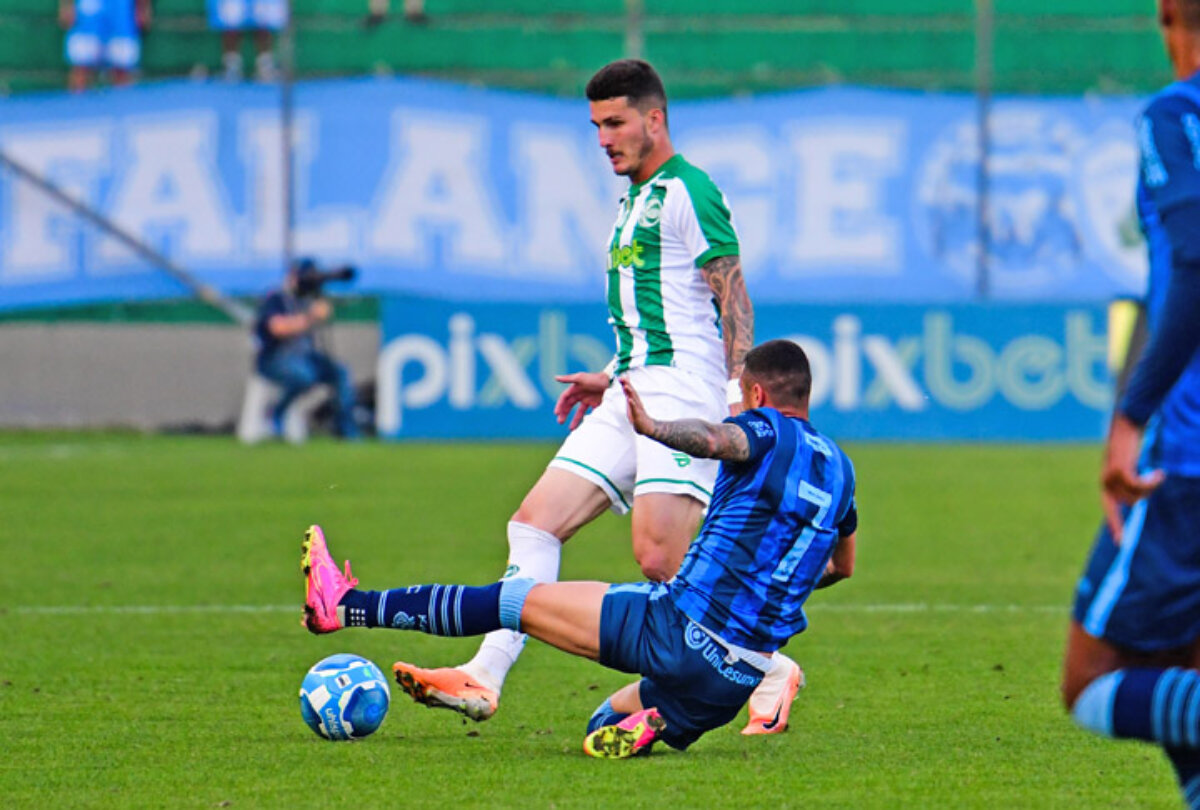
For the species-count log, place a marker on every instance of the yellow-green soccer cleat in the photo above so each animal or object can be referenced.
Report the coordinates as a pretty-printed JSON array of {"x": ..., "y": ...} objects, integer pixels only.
[{"x": 632, "y": 736}]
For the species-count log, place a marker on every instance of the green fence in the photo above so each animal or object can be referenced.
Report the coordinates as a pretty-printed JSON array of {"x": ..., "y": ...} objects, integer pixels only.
[{"x": 718, "y": 47}]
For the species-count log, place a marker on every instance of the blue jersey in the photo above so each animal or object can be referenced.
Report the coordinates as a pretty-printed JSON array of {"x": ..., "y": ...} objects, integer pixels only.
[
  {"x": 771, "y": 528},
  {"x": 279, "y": 303},
  {"x": 1168, "y": 192}
]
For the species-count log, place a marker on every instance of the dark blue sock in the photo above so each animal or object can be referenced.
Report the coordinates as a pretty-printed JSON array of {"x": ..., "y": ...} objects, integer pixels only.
[
  {"x": 1187, "y": 768},
  {"x": 440, "y": 610},
  {"x": 1159, "y": 705},
  {"x": 605, "y": 715},
  {"x": 1156, "y": 705}
]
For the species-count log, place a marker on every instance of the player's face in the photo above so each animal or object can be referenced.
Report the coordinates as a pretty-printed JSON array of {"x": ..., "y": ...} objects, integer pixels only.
[{"x": 624, "y": 134}]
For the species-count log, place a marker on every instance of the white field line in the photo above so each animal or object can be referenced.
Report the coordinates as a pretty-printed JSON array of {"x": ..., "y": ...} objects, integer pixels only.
[
  {"x": 61, "y": 451},
  {"x": 153, "y": 610}
]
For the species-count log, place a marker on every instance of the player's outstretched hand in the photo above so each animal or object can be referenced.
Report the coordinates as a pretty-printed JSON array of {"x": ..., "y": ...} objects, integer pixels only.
[
  {"x": 641, "y": 421},
  {"x": 584, "y": 389},
  {"x": 1119, "y": 481}
]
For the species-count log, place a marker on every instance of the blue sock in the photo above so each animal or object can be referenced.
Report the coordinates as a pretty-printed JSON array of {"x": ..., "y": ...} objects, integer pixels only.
[
  {"x": 1187, "y": 768},
  {"x": 1157, "y": 705},
  {"x": 605, "y": 715},
  {"x": 440, "y": 610}
]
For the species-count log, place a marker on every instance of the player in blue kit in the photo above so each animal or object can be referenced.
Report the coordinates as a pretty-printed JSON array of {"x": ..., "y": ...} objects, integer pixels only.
[
  {"x": 782, "y": 522},
  {"x": 1132, "y": 667}
]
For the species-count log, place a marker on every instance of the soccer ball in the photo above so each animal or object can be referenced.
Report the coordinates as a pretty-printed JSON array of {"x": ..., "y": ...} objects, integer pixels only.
[{"x": 344, "y": 697}]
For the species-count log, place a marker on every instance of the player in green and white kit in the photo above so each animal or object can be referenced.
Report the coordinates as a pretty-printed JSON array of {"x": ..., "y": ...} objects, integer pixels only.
[{"x": 683, "y": 322}]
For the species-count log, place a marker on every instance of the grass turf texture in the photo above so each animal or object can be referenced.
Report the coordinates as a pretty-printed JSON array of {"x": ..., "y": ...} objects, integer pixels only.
[{"x": 152, "y": 652}]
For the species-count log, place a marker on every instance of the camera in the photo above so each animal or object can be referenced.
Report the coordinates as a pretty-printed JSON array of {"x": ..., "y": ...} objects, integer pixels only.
[{"x": 310, "y": 278}]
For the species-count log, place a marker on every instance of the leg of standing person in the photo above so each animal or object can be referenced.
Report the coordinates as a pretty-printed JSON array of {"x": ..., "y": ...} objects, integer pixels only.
[
  {"x": 1133, "y": 650},
  {"x": 266, "y": 69},
  {"x": 333, "y": 373},
  {"x": 294, "y": 374},
  {"x": 83, "y": 47},
  {"x": 557, "y": 506},
  {"x": 598, "y": 467},
  {"x": 123, "y": 44},
  {"x": 232, "y": 68}
]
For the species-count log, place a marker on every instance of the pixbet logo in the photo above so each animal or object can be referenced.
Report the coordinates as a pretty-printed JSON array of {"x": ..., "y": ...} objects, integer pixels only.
[
  {"x": 474, "y": 369},
  {"x": 942, "y": 365}
]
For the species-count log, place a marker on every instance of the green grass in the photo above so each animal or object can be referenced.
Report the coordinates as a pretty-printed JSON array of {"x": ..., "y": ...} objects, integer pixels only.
[{"x": 933, "y": 672}]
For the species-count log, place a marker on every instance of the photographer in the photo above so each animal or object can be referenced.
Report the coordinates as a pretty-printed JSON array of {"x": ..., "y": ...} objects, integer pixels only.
[{"x": 288, "y": 352}]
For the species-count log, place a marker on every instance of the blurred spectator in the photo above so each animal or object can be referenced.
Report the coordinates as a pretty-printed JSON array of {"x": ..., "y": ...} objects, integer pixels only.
[
  {"x": 103, "y": 34},
  {"x": 377, "y": 11},
  {"x": 285, "y": 330},
  {"x": 233, "y": 18}
]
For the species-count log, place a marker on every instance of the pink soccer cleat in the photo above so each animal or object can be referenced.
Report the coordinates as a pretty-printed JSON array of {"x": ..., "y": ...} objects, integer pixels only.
[
  {"x": 630, "y": 737},
  {"x": 324, "y": 586}
]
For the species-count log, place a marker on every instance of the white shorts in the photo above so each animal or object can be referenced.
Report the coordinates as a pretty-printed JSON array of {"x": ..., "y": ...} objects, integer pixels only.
[{"x": 605, "y": 450}]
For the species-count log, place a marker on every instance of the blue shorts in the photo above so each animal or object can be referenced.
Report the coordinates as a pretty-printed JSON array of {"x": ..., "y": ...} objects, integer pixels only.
[
  {"x": 689, "y": 676},
  {"x": 104, "y": 35},
  {"x": 238, "y": 15},
  {"x": 1144, "y": 595}
]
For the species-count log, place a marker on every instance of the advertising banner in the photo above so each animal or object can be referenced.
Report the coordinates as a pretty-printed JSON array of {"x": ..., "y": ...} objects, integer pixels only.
[
  {"x": 955, "y": 372},
  {"x": 438, "y": 189}
]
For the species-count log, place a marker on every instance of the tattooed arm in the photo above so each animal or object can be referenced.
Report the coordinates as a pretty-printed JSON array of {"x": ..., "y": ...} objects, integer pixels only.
[
  {"x": 695, "y": 437},
  {"x": 724, "y": 277}
]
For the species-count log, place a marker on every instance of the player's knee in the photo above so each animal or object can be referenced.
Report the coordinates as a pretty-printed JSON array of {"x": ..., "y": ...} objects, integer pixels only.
[
  {"x": 1075, "y": 684},
  {"x": 1091, "y": 706},
  {"x": 530, "y": 513},
  {"x": 1068, "y": 693}
]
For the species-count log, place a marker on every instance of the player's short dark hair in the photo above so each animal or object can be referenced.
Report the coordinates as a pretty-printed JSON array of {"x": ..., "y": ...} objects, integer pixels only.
[
  {"x": 630, "y": 78},
  {"x": 1189, "y": 10},
  {"x": 781, "y": 368}
]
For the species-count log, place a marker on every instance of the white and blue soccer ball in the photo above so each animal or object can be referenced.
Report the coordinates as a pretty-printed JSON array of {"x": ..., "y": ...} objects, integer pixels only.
[{"x": 344, "y": 697}]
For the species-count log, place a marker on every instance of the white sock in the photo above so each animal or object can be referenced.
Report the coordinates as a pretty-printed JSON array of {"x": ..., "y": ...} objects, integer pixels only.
[{"x": 532, "y": 553}]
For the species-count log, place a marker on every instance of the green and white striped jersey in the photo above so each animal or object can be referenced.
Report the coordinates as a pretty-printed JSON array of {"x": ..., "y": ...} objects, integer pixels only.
[{"x": 661, "y": 309}]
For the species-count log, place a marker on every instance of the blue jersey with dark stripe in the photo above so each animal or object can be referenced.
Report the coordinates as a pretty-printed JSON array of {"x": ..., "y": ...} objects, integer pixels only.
[
  {"x": 1169, "y": 177},
  {"x": 772, "y": 526}
]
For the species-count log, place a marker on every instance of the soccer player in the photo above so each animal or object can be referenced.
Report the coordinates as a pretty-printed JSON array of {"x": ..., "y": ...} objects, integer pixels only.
[
  {"x": 782, "y": 522},
  {"x": 683, "y": 322},
  {"x": 1132, "y": 663}
]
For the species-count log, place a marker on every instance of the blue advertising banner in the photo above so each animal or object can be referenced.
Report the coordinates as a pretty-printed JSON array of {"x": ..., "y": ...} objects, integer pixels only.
[
  {"x": 444, "y": 190},
  {"x": 1033, "y": 372}
]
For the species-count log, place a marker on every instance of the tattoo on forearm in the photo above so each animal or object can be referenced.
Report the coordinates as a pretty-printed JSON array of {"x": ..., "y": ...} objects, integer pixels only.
[
  {"x": 703, "y": 439},
  {"x": 724, "y": 277}
]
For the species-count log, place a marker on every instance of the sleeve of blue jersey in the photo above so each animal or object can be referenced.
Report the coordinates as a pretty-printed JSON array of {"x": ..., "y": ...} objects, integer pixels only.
[
  {"x": 848, "y": 525},
  {"x": 1169, "y": 143},
  {"x": 1169, "y": 139},
  {"x": 848, "y": 509},
  {"x": 759, "y": 430},
  {"x": 269, "y": 307},
  {"x": 1176, "y": 336}
]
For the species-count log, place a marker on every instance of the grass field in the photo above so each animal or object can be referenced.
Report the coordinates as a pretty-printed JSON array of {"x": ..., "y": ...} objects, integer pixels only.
[{"x": 150, "y": 650}]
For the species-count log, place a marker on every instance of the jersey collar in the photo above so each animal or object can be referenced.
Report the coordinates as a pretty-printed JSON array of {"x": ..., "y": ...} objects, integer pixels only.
[{"x": 671, "y": 162}]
